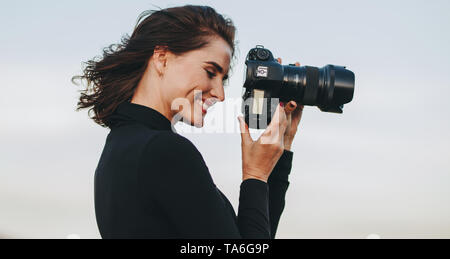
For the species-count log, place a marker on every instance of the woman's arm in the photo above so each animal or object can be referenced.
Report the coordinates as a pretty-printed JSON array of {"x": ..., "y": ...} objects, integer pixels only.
[
  {"x": 278, "y": 185},
  {"x": 173, "y": 174}
]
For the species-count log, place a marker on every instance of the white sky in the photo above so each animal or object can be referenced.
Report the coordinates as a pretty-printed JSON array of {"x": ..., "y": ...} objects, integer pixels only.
[{"x": 381, "y": 168}]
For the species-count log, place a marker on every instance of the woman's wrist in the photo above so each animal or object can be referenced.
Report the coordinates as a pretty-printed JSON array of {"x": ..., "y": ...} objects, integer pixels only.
[
  {"x": 288, "y": 145},
  {"x": 253, "y": 176}
]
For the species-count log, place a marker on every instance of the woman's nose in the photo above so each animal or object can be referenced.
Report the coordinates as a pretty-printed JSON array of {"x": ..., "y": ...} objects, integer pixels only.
[{"x": 218, "y": 92}]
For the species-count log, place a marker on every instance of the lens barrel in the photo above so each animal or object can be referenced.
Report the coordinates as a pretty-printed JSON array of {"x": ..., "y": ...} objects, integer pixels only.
[{"x": 329, "y": 87}]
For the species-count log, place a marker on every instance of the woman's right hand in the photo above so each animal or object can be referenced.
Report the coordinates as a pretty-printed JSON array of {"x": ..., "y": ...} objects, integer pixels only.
[{"x": 260, "y": 157}]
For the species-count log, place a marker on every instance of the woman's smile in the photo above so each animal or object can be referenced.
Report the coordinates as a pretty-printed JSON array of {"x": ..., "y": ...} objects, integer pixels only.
[{"x": 205, "y": 104}]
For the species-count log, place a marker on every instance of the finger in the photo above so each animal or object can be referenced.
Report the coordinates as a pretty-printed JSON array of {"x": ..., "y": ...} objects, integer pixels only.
[
  {"x": 290, "y": 107},
  {"x": 279, "y": 60},
  {"x": 280, "y": 124},
  {"x": 297, "y": 115},
  {"x": 277, "y": 126},
  {"x": 297, "y": 64},
  {"x": 278, "y": 115},
  {"x": 245, "y": 133}
]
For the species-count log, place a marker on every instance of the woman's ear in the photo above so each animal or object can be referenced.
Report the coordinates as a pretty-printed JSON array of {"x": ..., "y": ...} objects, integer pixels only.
[{"x": 159, "y": 58}]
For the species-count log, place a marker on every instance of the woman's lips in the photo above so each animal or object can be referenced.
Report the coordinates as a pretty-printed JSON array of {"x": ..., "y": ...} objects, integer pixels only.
[
  {"x": 205, "y": 104},
  {"x": 205, "y": 107}
]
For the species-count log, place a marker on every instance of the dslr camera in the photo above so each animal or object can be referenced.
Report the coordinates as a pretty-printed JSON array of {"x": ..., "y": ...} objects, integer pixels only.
[{"x": 266, "y": 83}]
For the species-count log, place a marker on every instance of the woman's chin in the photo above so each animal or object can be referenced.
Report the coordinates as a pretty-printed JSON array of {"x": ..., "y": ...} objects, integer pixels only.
[
  {"x": 197, "y": 122},
  {"x": 198, "y": 125}
]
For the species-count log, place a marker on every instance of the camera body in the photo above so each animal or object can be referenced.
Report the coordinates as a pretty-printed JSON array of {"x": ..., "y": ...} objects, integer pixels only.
[{"x": 266, "y": 83}]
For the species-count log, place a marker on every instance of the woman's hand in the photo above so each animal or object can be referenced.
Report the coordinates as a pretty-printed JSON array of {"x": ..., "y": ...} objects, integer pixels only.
[
  {"x": 260, "y": 157},
  {"x": 293, "y": 117}
]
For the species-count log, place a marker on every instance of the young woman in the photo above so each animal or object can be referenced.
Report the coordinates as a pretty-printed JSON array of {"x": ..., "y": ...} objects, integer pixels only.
[{"x": 150, "y": 181}]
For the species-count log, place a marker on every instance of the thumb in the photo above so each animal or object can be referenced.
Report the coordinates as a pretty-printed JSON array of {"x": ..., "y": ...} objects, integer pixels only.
[
  {"x": 245, "y": 133},
  {"x": 275, "y": 131},
  {"x": 290, "y": 107},
  {"x": 279, "y": 122}
]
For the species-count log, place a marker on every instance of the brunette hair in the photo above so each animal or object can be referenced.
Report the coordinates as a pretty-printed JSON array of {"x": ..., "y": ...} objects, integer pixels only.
[{"x": 113, "y": 77}]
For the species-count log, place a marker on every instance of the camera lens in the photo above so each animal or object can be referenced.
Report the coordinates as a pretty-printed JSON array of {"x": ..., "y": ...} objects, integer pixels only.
[{"x": 328, "y": 88}]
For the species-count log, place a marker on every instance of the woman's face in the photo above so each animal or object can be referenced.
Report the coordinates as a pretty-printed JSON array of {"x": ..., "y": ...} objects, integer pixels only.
[{"x": 193, "y": 82}]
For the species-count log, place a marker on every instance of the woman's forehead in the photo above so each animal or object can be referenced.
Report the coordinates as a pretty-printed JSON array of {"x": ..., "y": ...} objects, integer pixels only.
[{"x": 218, "y": 51}]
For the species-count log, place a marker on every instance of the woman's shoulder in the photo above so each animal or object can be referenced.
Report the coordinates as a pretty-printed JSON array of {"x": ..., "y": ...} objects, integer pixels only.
[
  {"x": 168, "y": 140},
  {"x": 152, "y": 141},
  {"x": 171, "y": 145},
  {"x": 169, "y": 156}
]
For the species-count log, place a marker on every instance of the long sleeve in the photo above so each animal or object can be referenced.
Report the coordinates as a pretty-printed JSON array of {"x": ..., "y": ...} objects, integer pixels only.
[
  {"x": 278, "y": 185},
  {"x": 173, "y": 175}
]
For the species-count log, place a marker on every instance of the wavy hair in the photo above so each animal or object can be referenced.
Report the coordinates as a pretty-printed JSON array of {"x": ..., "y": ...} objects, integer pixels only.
[{"x": 113, "y": 77}]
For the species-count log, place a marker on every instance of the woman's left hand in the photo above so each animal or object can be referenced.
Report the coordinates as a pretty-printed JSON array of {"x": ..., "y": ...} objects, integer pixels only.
[{"x": 293, "y": 116}]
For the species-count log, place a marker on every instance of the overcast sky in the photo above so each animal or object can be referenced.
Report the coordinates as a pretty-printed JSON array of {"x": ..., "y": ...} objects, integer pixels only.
[{"x": 380, "y": 168}]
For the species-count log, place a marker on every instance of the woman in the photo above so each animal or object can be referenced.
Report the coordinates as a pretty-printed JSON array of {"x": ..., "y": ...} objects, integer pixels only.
[{"x": 150, "y": 181}]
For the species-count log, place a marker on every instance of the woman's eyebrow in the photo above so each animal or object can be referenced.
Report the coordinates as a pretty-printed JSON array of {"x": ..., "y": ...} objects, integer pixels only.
[{"x": 219, "y": 68}]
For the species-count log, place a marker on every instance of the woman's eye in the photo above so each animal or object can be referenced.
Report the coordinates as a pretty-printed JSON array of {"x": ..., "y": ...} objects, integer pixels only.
[{"x": 210, "y": 74}]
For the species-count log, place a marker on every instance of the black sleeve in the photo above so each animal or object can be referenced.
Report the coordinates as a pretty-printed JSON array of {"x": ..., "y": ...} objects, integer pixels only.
[
  {"x": 278, "y": 185},
  {"x": 174, "y": 175}
]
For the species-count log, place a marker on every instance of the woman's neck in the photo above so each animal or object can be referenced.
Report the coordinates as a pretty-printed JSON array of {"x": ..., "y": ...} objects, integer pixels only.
[{"x": 151, "y": 97}]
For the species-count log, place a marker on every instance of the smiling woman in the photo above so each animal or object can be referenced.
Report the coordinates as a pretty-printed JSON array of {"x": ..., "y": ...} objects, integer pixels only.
[
  {"x": 166, "y": 35},
  {"x": 150, "y": 181},
  {"x": 186, "y": 84}
]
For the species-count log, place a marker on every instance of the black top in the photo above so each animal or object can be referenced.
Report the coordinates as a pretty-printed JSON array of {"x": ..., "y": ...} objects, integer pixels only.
[{"x": 151, "y": 182}]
